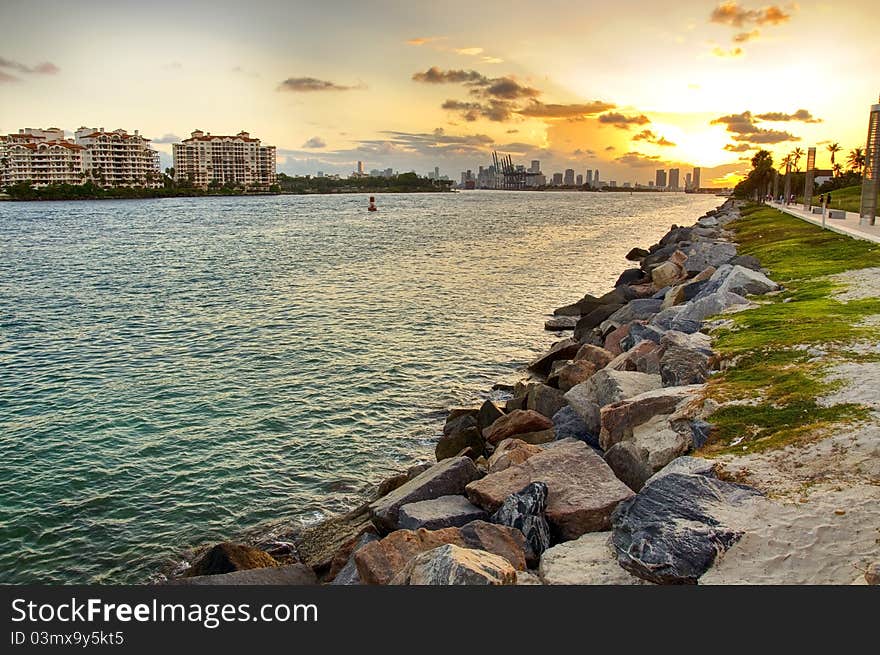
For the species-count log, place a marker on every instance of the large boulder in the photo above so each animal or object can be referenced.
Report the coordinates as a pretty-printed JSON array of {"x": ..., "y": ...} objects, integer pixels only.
[
  {"x": 516, "y": 423},
  {"x": 744, "y": 281},
  {"x": 320, "y": 544},
  {"x": 453, "y": 565},
  {"x": 443, "y": 512},
  {"x": 702, "y": 308},
  {"x": 606, "y": 387},
  {"x": 682, "y": 293},
  {"x": 524, "y": 510},
  {"x": 667, "y": 274},
  {"x": 672, "y": 531},
  {"x": 702, "y": 254},
  {"x": 572, "y": 373},
  {"x": 644, "y": 357},
  {"x": 637, "y": 254},
  {"x": 588, "y": 560},
  {"x": 545, "y": 400},
  {"x": 380, "y": 561},
  {"x": 661, "y": 441},
  {"x": 511, "y": 452},
  {"x": 489, "y": 413},
  {"x": 565, "y": 349},
  {"x": 445, "y": 478},
  {"x": 683, "y": 366},
  {"x": 568, "y": 425},
  {"x": 695, "y": 341},
  {"x": 582, "y": 489},
  {"x": 227, "y": 557},
  {"x": 618, "y": 419},
  {"x": 581, "y": 308}
]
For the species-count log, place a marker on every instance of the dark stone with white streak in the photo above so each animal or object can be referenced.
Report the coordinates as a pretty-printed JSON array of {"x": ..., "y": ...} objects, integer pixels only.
[{"x": 524, "y": 510}]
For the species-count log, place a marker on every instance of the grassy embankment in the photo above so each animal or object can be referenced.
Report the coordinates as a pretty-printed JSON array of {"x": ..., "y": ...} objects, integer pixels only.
[
  {"x": 775, "y": 345},
  {"x": 848, "y": 198}
]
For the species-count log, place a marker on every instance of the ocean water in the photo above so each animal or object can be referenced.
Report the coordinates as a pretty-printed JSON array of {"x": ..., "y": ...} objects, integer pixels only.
[{"x": 178, "y": 371}]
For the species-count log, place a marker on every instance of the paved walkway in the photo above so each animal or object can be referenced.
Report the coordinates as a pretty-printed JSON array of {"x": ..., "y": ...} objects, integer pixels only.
[{"x": 848, "y": 226}]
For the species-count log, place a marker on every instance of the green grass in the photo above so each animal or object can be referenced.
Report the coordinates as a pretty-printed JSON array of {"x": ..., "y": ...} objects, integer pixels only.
[
  {"x": 770, "y": 345},
  {"x": 848, "y": 198}
]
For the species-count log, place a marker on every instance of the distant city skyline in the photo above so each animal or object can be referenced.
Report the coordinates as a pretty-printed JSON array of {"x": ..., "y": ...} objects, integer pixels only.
[{"x": 335, "y": 84}]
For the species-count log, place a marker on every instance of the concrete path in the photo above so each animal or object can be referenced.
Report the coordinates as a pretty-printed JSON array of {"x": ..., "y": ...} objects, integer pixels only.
[{"x": 848, "y": 226}]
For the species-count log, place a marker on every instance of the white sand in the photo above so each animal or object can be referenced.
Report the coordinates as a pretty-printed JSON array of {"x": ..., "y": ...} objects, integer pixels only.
[{"x": 820, "y": 523}]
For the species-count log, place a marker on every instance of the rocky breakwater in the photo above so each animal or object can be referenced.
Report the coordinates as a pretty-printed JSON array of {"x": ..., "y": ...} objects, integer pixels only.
[{"x": 582, "y": 476}]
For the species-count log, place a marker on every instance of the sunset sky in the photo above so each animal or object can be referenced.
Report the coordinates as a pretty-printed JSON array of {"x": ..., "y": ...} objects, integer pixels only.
[{"x": 624, "y": 87}]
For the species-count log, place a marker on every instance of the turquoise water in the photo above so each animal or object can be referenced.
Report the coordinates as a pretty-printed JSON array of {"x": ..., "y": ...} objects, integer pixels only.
[{"x": 181, "y": 370}]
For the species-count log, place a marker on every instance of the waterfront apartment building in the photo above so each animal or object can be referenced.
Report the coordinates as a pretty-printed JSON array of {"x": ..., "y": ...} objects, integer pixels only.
[
  {"x": 695, "y": 179},
  {"x": 118, "y": 159},
  {"x": 40, "y": 157},
  {"x": 240, "y": 160},
  {"x": 568, "y": 179},
  {"x": 674, "y": 179}
]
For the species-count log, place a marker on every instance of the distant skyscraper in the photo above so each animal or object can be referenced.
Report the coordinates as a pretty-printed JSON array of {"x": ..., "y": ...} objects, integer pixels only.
[
  {"x": 436, "y": 172},
  {"x": 596, "y": 177},
  {"x": 579, "y": 180},
  {"x": 569, "y": 177},
  {"x": 660, "y": 179},
  {"x": 695, "y": 181},
  {"x": 360, "y": 168},
  {"x": 557, "y": 179},
  {"x": 589, "y": 178},
  {"x": 673, "y": 179},
  {"x": 535, "y": 167},
  {"x": 687, "y": 182}
]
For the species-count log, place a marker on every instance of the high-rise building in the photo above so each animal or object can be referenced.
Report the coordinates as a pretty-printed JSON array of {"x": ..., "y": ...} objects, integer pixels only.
[
  {"x": 596, "y": 177},
  {"x": 695, "y": 181},
  {"x": 687, "y": 182},
  {"x": 579, "y": 180},
  {"x": 436, "y": 172},
  {"x": 535, "y": 167},
  {"x": 589, "y": 178},
  {"x": 204, "y": 159},
  {"x": 660, "y": 179},
  {"x": 118, "y": 158},
  {"x": 568, "y": 180},
  {"x": 360, "y": 168},
  {"x": 557, "y": 179},
  {"x": 673, "y": 179}
]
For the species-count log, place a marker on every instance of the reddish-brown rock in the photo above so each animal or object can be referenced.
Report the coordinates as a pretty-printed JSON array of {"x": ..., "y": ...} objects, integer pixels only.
[
  {"x": 511, "y": 452},
  {"x": 612, "y": 341},
  {"x": 519, "y": 421},
  {"x": 583, "y": 490},
  {"x": 618, "y": 419},
  {"x": 595, "y": 354},
  {"x": 572, "y": 373},
  {"x": 378, "y": 562}
]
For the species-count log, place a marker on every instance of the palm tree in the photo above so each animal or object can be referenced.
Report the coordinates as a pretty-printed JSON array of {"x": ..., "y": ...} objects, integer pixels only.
[
  {"x": 796, "y": 155},
  {"x": 833, "y": 148},
  {"x": 856, "y": 159},
  {"x": 787, "y": 162},
  {"x": 838, "y": 169}
]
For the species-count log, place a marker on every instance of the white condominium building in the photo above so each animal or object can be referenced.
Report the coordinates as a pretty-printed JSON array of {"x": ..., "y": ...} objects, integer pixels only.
[
  {"x": 240, "y": 160},
  {"x": 117, "y": 158},
  {"x": 41, "y": 157}
]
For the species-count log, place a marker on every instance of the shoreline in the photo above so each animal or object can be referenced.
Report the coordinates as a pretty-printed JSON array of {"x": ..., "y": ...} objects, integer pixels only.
[{"x": 556, "y": 480}]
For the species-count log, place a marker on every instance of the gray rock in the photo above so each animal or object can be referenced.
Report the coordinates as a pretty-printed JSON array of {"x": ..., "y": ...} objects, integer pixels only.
[
  {"x": 581, "y": 308},
  {"x": 672, "y": 531},
  {"x": 637, "y": 254},
  {"x": 699, "y": 341},
  {"x": 571, "y": 426},
  {"x": 687, "y": 326},
  {"x": 700, "y": 431},
  {"x": 524, "y": 510},
  {"x": 715, "y": 303},
  {"x": 293, "y": 574},
  {"x": 629, "y": 463},
  {"x": 636, "y": 310},
  {"x": 437, "y": 513},
  {"x": 745, "y": 281},
  {"x": 664, "y": 319},
  {"x": 488, "y": 414},
  {"x": 348, "y": 574},
  {"x": 605, "y": 387},
  {"x": 639, "y": 332},
  {"x": 588, "y": 560},
  {"x": 545, "y": 400},
  {"x": 687, "y": 465},
  {"x": 707, "y": 253},
  {"x": 445, "y": 478},
  {"x": 683, "y": 366},
  {"x": 748, "y": 261}
]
